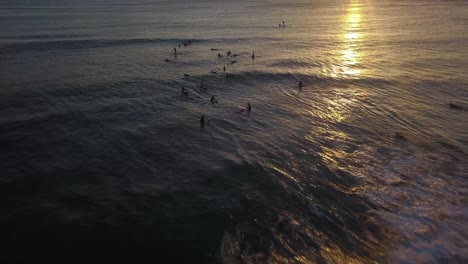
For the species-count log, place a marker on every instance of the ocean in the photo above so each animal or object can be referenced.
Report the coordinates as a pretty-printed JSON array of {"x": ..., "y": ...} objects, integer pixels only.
[{"x": 104, "y": 158}]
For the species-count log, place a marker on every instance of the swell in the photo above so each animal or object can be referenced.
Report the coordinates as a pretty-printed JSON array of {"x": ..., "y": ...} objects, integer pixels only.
[
  {"x": 22, "y": 47},
  {"x": 153, "y": 94},
  {"x": 46, "y": 36},
  {"x": 308, "y": 79},
  {"x": 82, "y": 44},
  {"x": 295, "y": 63}
]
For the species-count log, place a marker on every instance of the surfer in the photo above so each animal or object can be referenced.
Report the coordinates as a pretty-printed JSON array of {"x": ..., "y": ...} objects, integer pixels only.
[
  {"x": 183, "y": 92},
  {"x": 242, "y": 109},
  {"x": 454, "y": 106},
  {"x": 202, "y": 121},
  {"x": 213, "y": 100},
  {"x": 399, "y": 136}
]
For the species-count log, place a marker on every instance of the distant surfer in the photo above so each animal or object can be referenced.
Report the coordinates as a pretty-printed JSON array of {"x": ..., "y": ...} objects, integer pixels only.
[
  {"x": 253, "y": 56},
  {"x": 454, "y": 106},
  {"x": 202, "y": 121},
  {"x": 213, "y": 100},
  {"x": 300, "y": 85},
  {"x": 283, "y": 23},
  {"x": 175, "y": 51},
  {"x": 242, "y": 109},
  {"x": 400, "y": 137},
  {"x": 224, "y": 68}
]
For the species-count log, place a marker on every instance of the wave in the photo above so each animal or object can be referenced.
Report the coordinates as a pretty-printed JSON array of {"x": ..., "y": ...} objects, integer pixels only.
[
  {"x": 255, "y": 77},
  {"x": 45, "y": 37},
  {"x": 20, "y": 47},
  {"x": 295, "y": 63},
  {"x": 82, "y": 44}
]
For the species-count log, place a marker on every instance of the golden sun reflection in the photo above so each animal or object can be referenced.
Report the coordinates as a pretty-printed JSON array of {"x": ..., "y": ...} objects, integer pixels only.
[{"x": 351, "y": 38}]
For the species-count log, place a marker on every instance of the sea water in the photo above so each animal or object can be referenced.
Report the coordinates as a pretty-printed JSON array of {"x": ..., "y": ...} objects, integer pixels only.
[{"x": 101, "y": 153}]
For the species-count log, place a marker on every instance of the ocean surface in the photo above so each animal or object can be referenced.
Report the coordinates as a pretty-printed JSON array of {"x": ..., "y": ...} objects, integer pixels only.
[{"x": 103, "y": 158}]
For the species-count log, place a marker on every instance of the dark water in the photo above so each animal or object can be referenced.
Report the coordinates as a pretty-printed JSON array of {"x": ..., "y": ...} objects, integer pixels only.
[{"x": 103, "y": 159}]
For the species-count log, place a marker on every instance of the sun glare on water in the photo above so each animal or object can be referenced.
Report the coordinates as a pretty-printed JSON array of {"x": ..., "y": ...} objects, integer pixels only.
[{"x": 351, "y": 39}]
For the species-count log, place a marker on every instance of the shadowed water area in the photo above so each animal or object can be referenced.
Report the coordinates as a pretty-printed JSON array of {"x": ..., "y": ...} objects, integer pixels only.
[{"x": 103, "y": 158}]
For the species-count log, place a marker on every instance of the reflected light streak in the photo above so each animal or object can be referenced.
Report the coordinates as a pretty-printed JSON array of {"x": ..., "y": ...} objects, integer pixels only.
[
  {"x": 350, "y": 56},
  {"x": 347, "y": 63}
]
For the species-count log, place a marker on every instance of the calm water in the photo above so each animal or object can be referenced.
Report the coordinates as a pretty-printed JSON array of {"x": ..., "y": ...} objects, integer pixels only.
[{"x": 101, "y": 154}]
